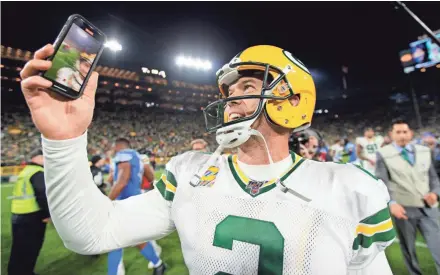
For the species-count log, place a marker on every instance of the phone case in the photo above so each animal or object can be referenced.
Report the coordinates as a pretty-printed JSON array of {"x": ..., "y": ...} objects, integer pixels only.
[{"x": 57, "y": 45}]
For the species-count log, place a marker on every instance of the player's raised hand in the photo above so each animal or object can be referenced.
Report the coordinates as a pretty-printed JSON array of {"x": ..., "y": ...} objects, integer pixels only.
[{"x": 55, "y": 117}]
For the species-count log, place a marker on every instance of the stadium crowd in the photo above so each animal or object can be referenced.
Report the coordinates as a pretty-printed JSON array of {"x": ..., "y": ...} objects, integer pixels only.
[
  {"x": 167, "y": 133},
  {"x": 163, "y": 134}
]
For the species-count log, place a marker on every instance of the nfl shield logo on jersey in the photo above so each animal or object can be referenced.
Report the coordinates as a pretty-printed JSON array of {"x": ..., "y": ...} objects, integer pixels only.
[
  {"x": 208, "y": 179},
  {"x": 254, "y": 186}
]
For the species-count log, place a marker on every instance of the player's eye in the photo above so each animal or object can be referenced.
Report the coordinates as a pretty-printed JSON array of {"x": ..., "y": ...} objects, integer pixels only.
[{"x": 248, "y": 88}]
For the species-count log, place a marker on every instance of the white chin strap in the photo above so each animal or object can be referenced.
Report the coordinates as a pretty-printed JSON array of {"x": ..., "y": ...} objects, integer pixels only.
[
  {"x": 246, "y": 134},
  {"x": 196, "y": 179}
]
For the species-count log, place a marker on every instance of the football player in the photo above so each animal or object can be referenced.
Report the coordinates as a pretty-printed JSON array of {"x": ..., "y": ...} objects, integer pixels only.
[
  {"x": 366, "y": 148},
  {"x": 348, "y": 153},
  {"x": 264, "y": 210},
  {"x": 148, "y": 177},
  {"x": 199, "y": 145},
  {"x": 129, "y": 169}
]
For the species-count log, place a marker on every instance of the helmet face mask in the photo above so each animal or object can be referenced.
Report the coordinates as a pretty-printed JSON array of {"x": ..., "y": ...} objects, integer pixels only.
[{"x": 215, "y": 113}]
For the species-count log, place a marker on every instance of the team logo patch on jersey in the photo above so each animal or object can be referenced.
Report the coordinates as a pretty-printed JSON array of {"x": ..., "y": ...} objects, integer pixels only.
[
  {"x": 208, "y": 179},
  {"x": 255, "y": 186}
]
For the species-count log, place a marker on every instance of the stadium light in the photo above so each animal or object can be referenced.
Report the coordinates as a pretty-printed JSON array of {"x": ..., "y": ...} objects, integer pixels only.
[
  {"x": 194, "y": 63},
  {"x": 145, "y": 70},
  {"x": 113, "y": 45}
]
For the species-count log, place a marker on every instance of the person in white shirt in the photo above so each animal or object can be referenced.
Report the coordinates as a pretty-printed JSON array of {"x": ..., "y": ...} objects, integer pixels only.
[
  {"x": 336, "y": 149},
  {"x": 366, "y": 149}
]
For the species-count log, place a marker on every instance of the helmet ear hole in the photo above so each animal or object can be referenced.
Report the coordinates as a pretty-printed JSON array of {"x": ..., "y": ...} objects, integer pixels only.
[{"x": 294, "y": 100}]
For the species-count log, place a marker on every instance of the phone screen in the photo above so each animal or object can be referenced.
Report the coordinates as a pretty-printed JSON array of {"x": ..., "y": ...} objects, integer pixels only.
[{"x": 74, "y": 58}]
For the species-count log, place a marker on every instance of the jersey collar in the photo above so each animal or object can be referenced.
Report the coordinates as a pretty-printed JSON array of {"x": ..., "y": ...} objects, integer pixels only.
[{"x": 255, "y": 188}]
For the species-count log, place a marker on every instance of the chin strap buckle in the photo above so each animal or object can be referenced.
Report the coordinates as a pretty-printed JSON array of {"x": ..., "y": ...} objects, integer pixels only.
[
  {"x": 195, "y": 180},
  {"x": 283, "y": 187},
  {"x": 286, "y": 189}
]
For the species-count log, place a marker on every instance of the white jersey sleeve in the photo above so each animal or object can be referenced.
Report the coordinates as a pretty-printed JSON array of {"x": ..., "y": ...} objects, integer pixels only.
[
  {"x": 185, "y": 163},
  {"x": 87, "y": 221},
  {"x": 64, "y": 75},
  {"x": 375, "y": 230}
]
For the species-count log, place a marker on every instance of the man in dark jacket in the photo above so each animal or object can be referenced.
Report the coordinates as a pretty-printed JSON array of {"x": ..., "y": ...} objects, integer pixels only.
[
  {"x": 30, "y": 214},
  {"x": 96, "y": 169}
]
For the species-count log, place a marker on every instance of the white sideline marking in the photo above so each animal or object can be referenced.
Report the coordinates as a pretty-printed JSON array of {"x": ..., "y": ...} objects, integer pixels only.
[
  {"x": 7, "y": 184},
  {"x": 418, "y": 244}
]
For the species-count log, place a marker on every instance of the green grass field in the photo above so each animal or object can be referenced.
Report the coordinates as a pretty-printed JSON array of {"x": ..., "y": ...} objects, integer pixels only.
[
  {"x": 63, "y": 59},
  {"x": 55, "y": 259}
]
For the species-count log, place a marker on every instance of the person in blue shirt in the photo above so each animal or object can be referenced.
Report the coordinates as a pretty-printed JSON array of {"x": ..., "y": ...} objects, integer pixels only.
[
  {"x": 127, "y": 177},
  {"x": 348, "y": 154}
]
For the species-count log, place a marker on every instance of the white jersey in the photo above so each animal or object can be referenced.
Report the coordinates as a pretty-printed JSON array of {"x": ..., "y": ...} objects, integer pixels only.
[
  {"x": 369, "y": 150},
  {"x": 329, "y": 222},
  {"x": 337, "y": 149},
  {"x": 145, "y": 159},
  {"x": 69, "y": 78}
]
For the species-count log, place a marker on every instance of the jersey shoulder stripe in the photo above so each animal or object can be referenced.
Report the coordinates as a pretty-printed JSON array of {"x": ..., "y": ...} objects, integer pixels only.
[
  {"x": 178, "y": 165},
  {"x": 167, "y": 185},
  {"x": 381, "y": 237},
  {"x": 374, "y": 229}
]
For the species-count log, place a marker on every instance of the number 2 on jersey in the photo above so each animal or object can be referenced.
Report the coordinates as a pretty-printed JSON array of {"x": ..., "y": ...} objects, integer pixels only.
[{"x": 258, "y": 232}]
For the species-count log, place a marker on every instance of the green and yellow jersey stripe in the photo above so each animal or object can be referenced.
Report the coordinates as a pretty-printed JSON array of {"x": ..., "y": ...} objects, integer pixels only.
[
  {"x": 167, "y": 185},
  {"x": 374, "y": 229}
]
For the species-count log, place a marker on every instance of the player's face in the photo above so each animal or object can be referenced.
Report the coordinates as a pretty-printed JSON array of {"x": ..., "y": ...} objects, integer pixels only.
[
  {"x": 369, "y": 133},
  {"x": 84, "y": 68},
  {"x": 243, "y": 107},
  {"x": 312, "y": 145},
  {"x": 198, "y": 146},
  {"x": 38, "y": 160},
  {"x": 116, "y": 148},
  {"x": 429, "y": 140},
  {"x": 100, "y": 163},
  {"x": 401, "y": 134}
]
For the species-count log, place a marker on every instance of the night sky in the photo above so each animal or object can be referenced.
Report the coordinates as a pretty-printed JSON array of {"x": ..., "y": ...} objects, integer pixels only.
[{"x": 365, "y": 36}]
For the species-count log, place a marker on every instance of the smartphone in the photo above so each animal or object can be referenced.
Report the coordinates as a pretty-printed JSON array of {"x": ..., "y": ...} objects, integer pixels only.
[{"x": 77, "y": 50}]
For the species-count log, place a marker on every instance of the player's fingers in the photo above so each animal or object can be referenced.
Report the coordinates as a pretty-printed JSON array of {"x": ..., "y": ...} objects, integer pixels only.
[
  {"x": 44, "y": 52},
  {"x": 92, "y": 85},
  {"x": 34, "y": 66},
  {"x": 35, "y": 82}
]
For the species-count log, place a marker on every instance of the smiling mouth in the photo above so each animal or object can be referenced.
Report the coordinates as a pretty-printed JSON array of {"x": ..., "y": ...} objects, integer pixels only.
[{"x": 235, "y": 116}]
